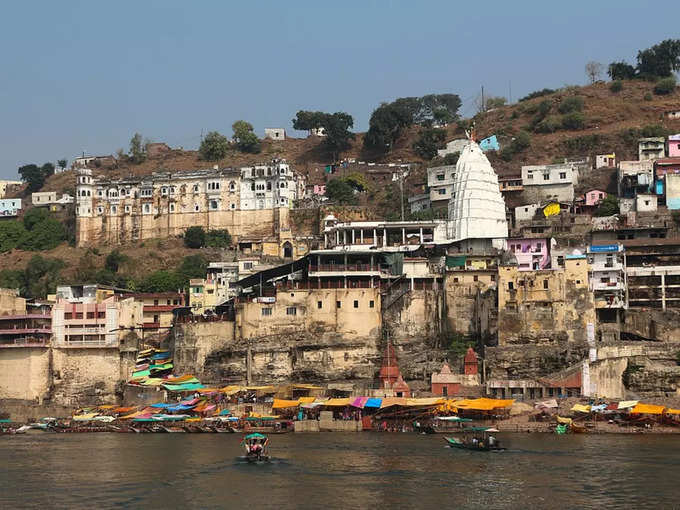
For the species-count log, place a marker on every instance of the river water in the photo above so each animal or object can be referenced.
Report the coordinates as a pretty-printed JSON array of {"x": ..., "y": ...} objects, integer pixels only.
[{"x": 334, "y": 470}]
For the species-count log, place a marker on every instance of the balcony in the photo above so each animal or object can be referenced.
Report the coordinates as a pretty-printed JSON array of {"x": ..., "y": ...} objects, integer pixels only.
[
  {"x": 341, "y": 269},
  {"x": 24, "y": 342}
]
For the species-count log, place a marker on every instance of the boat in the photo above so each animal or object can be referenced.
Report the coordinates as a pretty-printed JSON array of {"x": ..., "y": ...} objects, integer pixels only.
[
  {"x": 257, "y": 447},
  {"x": 475, "y": 438}
]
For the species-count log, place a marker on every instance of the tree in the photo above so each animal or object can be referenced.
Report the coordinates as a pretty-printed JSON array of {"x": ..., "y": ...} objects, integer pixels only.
[
  {"x": 34, "y": 216},
  {"x": 573, "y": 120},
  {"x": 337, "y": 127},
  {"x": 340, "y": 192},
  {"x": 114, "y": 260},
  {"x": 661, "y": 60},
  {"x": 608, "y": 207},
  {"x": 571, "y": 104},
  {"x": 428, "y": 142},
  {"x": 621, "y": 71},
  {"x": 219, "y": 238},
  {"x": 358, "y": 181},
  {"x": 162, "y": 281},
  {"x": 495, "y": 102},
  {"x": 11, "y": 234},
  {"x": 665, "y": 86},
  {"x": 192, "y": 266},
  {"x": 593, "y": 70},
  {"x": 451, "y": 159},
  {"x": 214, "y": 146},
  {"x": 194, "y": 237},
  {"x": 137, "y": 149},
  {"x": 35, "y": 176},
  {"x": 246, "y": 139},
  {"x": 307, "y": 120},
  {"x": 45, "y": 235},
  {"x": 62, "y": 163},
  {"x": 42, "y": 275}
]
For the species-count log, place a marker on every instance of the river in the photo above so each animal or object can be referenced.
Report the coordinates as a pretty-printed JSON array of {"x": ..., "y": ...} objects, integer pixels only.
[{"x": 334, "y": 470}]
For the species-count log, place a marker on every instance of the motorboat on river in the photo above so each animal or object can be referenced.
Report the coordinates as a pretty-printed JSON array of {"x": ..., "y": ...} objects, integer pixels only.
[
  {"x": 475, "y": 438},
  {"x": 257, "y": 447}
]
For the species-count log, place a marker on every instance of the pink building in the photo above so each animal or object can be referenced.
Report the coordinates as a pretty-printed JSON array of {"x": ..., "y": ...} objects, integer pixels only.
[
  {"x": 531, "y": 254},
  {"x": 674, "y": 146},
  {"x": 594, "y": 196}
]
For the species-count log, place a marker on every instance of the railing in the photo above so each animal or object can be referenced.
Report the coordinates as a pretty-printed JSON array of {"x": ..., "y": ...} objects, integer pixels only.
[
  {"x": 313, "y": 268},
  {"x": 25, "y": 342}
]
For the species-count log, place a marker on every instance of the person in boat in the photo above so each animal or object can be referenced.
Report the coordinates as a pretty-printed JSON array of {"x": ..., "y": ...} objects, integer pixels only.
[{"x": 492, "y": 441}]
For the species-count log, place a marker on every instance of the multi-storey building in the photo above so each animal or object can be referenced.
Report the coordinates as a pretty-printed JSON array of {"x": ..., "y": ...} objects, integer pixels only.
[
  {"x": 440, "y": 183},
  {"x": 651, "y": 148},
  {"x": 23, "y": 324},
  {"x": 608, "y": 275},
  {"x": 252, "y": 203},
  {"x": 549, "y": 182},
  {"x": 158, "y": 310}
]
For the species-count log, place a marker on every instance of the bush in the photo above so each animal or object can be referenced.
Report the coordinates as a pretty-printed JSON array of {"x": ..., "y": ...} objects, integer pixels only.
[
  {"x": 549, "y": 125},
  {"x": 608, "y": 207},
  {"x": 194, "y": 237},
  {"x": 616, "y": 86},
  {"x": 582, "y": 144},
  {"x": 520, "y": 143},
  {"x": 665, "y": 86},
  {"x": 114, "y": 261},
  {"x": 653, "y": 130},
  {"x": 573, "y": 120},
  {"x": 571, "y": 104},
  {"x": 538, "y": 93},
  {"x": 218, "y": 238}
]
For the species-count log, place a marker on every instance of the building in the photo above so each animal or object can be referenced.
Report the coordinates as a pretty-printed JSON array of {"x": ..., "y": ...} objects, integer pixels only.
[
  {"x": 608, "y": 275},
  {"x": 653, "y": 273},
  {"x": 526, "y": 212},
  {"x": 419, "y": 203},
  {"x": 651, "y": 148},
  {"x": 635, "y": 177},
  {"x": 10, "y": 207},
  {"x": 102, "y": 323},
  {"x": 315, "y": 190},
  {"x": 549, "y": 182},
  {"x": 275, "y": 133},
  {"x": 672, "y": 114},
  {"x": 49, "y": 198},
  {"x": 476, "y": 208},
  {"x": 531, "y": 254},
  {"x": 94, "y": 162},
  {"x": 674, "y": 146},
  {"x": 645, "y": 202},
  {"x": 318, "y": 131},
  {"x": 202, "y": 295},
  {"x": 510, "y": 183},
  {"x": 672, "y": 191},
  {"x": 157, "y": 310},
  {"x": 662, "y": 169},
  {"x": 9, "y": 186},
  {"x": 453, "y": 147},
  {"x": 391, "y": 381},
  {"x": 223, "y": 274},
  {"x": 544, "y": 306},
  {"x": 593, "y": 197},
  {"x": 440, "y": 181},
  {"x": 447, "y": 384},
  {"x": 22, "y": 325},
  {"x": 252, "y": 203},
  {"x": 605, "y": 161}
]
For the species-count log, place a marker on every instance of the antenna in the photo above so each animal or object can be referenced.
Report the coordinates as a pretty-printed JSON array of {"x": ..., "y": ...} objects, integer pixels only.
[
  {"x": 509, "y": 92},
  {"x": 483, "y": 103}
]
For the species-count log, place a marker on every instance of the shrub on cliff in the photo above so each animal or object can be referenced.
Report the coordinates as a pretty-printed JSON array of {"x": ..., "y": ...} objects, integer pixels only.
[
  {"x": 218, "y": 238},
  {"x": 665, "y": 86},
  {"x": 194, "y": 237}
]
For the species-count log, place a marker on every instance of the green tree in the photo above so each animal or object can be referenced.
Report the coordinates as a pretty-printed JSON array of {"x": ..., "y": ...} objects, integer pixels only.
[
  {"x": 661, "y": 60},
  {"x": 194, "y": 237},
  {"x": 214, "y": 147},
  {"x": 13, "y": 279},
  {"x": 385, "y": 125},
  {"x": 495, "y": 102},
  {"x": 337, "y": 128},
  {"x": 192, "y": 266},
  {"x": 12, "y": 233},
  {"x": 608, "y": 207},
  {"x": 573, "y": 120},
  {"x": 621, "y": 71},
  {"x": 665, "y": 86},
  {"x": 218, "y": 238},
  {"x": 518, "y": 144},
  {"x": 137, "y": 149},
  {"x": 161, "y": 281},
  {"x": 358, "y": 181},
  {"x": 246, "y": 139},
  {"x": 307, "y": 120},
  {"x": 42, "y": 276},
  {"x": 340, "y": 192},
  {"x": 571, "y": 104},
  {"x": 428, "y": 142},
  {"x": 34, "y": 216},
  {"x": 62, "y": 163},
  {"x": 114, "y": 260},
  {"x": 616, "y": 86},
  {"x": 35, "y": 176},
  {"x": 45, "y": 235},
  {"x": 450, "y": 159}
]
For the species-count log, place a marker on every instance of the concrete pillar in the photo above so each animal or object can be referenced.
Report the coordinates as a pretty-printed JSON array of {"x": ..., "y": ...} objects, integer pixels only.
[
  {"x": 403, "y": 236},
  {"x": 325, "y": 240},
  {"x": 384, "y": 237},
  {"x": 663, "y": 291},
  {"x": 352, "y": 236},
  {"x": 371, "y": 262},
  {"x": 421, "y": 235},
  {"x": 337, "y": 237},
  {"x": 361, "y": 233}
]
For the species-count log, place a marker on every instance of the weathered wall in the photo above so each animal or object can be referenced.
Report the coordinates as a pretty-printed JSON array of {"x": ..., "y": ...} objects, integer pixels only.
[
  {"x": 24, "y": 373},
  {"x": 657, "y": 325},
  {"x": 192, "y": 343},
  {"x": 529, "y": 361},
  {"x": 87, "y": 375},
  {"x": 463, "y": 294}
]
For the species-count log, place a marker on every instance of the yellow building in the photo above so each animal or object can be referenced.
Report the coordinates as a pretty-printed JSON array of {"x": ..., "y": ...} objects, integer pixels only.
[
  {"x": 545, "y": 306},
  {"x": 5, "y": 186},
  {"x": 203, "y": 295},
  {"x": 11, "y": 303}
]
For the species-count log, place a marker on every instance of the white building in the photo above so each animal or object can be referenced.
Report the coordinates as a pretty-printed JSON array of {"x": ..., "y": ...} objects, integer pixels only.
[
  {"x": 10, "y": 206},
  {"x": 275, "y": 133},
  {"x": 476, "y": 208},
  {"x": 608, "y": 275},
  {"x": 645, "y": 202},
  {"x": 526, "y": 212},
  {"x": 452, "y": 147},
  {"x": 270, "y": 186},
  {"x": 605, "y": 160},
  {"x": 549, "y": 182},
  {"x": 223, "y": 273},
  {"x": 440, "y": 183},
  {"x": 45, "y": 198},
  {"x": 419, "y": 203}
]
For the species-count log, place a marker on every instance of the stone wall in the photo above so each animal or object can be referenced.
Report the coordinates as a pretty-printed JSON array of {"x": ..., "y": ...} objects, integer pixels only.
[
  {"x": 530, "y": 361},
  {"x": 652, "y": 324},
  {"x": 24, "y": 373}
]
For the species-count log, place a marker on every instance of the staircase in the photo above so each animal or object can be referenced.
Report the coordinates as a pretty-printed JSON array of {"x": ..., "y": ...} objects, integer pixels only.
[{"x": 394, "y": 291}]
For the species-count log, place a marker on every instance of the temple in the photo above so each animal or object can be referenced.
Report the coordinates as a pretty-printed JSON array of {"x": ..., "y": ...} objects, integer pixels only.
[{"x": 390, "y": 375}]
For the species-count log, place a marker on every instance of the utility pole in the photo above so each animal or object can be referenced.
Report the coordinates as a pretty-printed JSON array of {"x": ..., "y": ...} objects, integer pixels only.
[
  {"x": 401, "y": 189},
  {"x": 483, "y": 103}
]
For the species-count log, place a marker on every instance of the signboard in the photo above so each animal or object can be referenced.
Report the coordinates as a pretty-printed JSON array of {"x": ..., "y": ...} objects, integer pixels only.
[
  {"x": 603, "y": 248},
  {"x": 265, "y": 299}
]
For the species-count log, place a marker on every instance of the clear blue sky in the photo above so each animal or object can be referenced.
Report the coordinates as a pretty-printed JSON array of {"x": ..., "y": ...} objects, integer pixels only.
[{"x": 84, "y": 76}]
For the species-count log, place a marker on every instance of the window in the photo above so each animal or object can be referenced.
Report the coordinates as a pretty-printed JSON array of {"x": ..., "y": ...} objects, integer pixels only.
[
  {"x": 155, "y": 302},
  {"x": 493, "y": 277},
  {"x": 371, "y": 304},
  {"x": 146, "y": 192},
  {"x": 319, "y": 304},
  {"x": 338, "y": 304},
  {"x": 511, "y": 285},
  {"x": 233, "y": 206},
  {"x": 530, "y": 177},
  {"x": 247, "y": 265},
  {"x": 114, "y": 209},
  {"x": 445, "y": 391},
  {"x": 545, "y": 284},
  {"x": 356, "y": 304},
  {"x": 156, "y": 318},
  {"x": 127, "y": 208},
  {"x": 578, "y": 282},
  {"x": 68, "y": 316},
  {"x": 455, "y": 280},
  {"x": 563, "y": 175},
  {"x": 172, "y": 207},
  {"x": 90, "y": 315},
  {"x": 440, "y": 177},
  {"x": 164, "y": 190},
  {"x": 291, "y": 310},
  {"x": 100, "y": 210},
  {"x": 539, "y": 246},
  {"x": 147, "y": 208},
  {"x": 442, "y": 191},
  {"x": 196, "y": 208},
  {"x": 266, "y": 312},
  {"x": 213, "y": 205},
  {"x": 475, "y": 278},
  {"x": 546, "y": 177},
  {"x": 232, "y": 186}
]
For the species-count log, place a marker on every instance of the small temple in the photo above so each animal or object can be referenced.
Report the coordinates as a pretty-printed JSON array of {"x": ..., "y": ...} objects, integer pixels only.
[
  {"x": 390, "y": 375},
  {"x": 446, "y": 383}
]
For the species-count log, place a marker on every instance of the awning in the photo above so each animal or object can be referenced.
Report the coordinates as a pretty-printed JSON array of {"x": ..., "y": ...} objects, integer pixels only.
[
  {"x": 85, "y": 417},
  {"x": 393, "y": 401},
  {"x": 373, "y": 402},
  {"x": 359, "y": 402},
  {"x": 568, "y": 421},
  {"x": 547, "y": 404},
  {"x": 306, "y": 400},
  {"x": 581, "y": 408},
  {"x": 182, "y": 387},
  {"x": 432, "y": 401},
  {"x": 453, "y": 418},
  {"x": 337, "y": 402},
  {"x": 282, "y": 404},
  {"x": 672, "y": 411},
  {"x": 483, "y": 404},
  {"x": 627, "y": 404},
  {"x": 647, "y": 409}
]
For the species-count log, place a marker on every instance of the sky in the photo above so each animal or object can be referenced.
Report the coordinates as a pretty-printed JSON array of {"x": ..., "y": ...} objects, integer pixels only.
[{"x": 85, "y": 76}]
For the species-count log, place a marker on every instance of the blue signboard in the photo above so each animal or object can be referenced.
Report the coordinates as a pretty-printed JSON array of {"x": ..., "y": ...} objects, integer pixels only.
[
  {"x": 490, "y": 144},
  {"x": 603, "y": 248}
]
